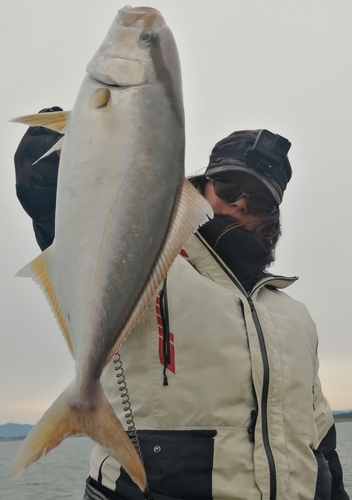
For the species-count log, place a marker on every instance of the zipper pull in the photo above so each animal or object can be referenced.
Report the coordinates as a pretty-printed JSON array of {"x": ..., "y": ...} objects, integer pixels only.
[
  {"x": 147, "y": 494},
  {"x": 251, "y": 305},
  {"x": 251, "y": 427}
]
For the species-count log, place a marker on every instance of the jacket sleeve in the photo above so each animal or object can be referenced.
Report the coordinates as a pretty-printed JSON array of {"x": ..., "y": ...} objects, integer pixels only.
[
  {"x": 36, "y": 182},
  {"x": 328, "y": 448},
  {"x": 327, "y": 439}
]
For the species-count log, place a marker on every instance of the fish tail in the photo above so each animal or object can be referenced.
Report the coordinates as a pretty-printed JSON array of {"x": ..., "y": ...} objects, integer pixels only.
[{"x": 94, "y": 418}]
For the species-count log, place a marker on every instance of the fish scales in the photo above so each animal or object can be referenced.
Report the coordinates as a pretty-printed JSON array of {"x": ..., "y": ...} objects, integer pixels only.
[{"x": 124, "y": 210}]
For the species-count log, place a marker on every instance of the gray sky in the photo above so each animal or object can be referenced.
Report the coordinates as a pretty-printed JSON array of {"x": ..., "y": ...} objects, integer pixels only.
[{"x": 278, "y": 64}]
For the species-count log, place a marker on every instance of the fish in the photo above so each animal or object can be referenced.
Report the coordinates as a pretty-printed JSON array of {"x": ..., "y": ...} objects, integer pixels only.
[{"x": 124, "y": 210}]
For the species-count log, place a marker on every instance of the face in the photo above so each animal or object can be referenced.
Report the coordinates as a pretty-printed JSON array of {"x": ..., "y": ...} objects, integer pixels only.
[{"x": 238, "y": 210}]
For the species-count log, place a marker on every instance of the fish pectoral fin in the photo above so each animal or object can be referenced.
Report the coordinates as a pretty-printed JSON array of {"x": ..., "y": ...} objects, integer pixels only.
[
  {"x": 191, "y": 211},
  {"x": 39, "y": 270},
  {"x": 95, "y": 418},
  {"x": 100, "y": 98},
  {"x": 57, "y": 147},
  {"x": 56, "y": 120}
]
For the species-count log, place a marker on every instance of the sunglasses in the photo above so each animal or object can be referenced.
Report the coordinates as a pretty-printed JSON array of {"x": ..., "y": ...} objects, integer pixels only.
[{"x": 230, "y": 192}]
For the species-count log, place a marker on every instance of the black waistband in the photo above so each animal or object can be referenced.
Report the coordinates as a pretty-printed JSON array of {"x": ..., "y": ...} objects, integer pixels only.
[{"x": 96, "y": 491}]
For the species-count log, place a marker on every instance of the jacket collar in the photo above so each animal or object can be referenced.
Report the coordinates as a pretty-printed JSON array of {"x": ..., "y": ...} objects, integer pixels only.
[{"x": 207, "y": 262}]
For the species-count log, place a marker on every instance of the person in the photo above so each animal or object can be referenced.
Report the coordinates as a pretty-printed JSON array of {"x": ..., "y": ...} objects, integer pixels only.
[{"x": 222, "y": 368}]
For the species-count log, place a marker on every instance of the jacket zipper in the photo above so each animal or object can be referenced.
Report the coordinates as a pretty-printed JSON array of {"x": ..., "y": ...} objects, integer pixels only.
[
  {"x": 264, "y": 401},
  {"x": 265, "y": 391}
]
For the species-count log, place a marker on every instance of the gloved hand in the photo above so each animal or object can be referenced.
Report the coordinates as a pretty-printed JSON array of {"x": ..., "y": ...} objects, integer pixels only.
[
  {"x": 35, "y": 142},
  {"x": 36, "y": 184}
]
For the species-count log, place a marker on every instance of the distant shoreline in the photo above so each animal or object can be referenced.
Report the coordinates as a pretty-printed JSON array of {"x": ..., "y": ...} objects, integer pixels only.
[
  {"x": 340, "y": 420},
  {"x": 21, "y": 438}
]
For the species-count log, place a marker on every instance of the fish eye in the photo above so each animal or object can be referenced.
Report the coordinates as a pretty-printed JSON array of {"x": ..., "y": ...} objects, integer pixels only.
[{"x": 149, "y": 37}]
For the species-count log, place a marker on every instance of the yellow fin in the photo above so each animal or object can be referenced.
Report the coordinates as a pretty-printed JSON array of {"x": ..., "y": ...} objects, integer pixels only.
[
  {"x": 95, "y": 418},
  {"x": 38, "y": 270},
  {"x": 57, "y": 120},
  {"x": 191, "y": 211}
]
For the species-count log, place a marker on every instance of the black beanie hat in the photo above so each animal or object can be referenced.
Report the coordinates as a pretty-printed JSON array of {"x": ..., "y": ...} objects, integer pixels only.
[{"x": 230, "y": 155}]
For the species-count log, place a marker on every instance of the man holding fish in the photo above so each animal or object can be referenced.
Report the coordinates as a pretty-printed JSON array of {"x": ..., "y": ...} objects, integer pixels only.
[{"x": 221, "y": 365}]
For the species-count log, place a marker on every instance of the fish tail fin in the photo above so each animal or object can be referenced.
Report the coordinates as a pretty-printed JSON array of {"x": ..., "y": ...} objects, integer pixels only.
[{"x": 94, "y": 418}]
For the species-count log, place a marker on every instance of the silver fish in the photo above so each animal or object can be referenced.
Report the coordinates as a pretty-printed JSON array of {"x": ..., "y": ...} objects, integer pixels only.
[{"x": 124, "y": 210}]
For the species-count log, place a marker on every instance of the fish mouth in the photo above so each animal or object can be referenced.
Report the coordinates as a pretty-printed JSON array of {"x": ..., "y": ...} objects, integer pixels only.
[
  {"x": 106, "y": 83},
  {"x": 132, "y": 16},
  {"x": 116, "y": 71}
]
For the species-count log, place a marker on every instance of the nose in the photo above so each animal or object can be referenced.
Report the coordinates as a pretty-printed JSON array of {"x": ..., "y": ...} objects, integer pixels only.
[{"x": 241, "y": 204}]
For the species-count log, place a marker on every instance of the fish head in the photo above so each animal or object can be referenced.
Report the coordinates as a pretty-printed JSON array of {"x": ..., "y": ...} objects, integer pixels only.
[{"x": 139, "y": 49}]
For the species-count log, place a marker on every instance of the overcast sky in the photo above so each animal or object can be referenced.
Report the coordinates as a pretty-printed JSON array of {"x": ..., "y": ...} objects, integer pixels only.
[{"x": 278, "y": 64}]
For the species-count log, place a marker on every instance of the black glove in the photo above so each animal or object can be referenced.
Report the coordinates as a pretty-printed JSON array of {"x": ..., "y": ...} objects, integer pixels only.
[{"x": 36, "y": 184}]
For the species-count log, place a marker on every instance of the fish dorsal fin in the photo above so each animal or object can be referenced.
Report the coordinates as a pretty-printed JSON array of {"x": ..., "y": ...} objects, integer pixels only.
[
  {"x": 57, "y": 147},
  {"x": 55, "y": 120},
  {"x": 191, "y": 211},
  {"x": 39, "y": 270}
]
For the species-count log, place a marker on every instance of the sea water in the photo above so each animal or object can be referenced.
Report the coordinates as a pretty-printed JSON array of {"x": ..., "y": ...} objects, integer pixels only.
[
  {"x": 344, "y": 448},
  {"x": 63, "y": 472},
  {"x": 59, "y": 475}
]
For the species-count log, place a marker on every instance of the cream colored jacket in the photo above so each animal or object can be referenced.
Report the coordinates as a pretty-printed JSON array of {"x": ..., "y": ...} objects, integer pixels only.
[{"x": 230, "y": 354}]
